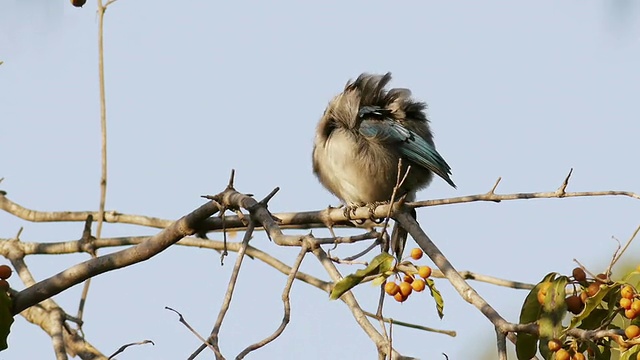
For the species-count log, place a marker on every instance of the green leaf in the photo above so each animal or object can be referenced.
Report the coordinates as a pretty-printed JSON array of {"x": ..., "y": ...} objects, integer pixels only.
[
  {"x": 594, "y": 320},
  {"x": 379, "y": 280},
  {"x": 592, "y": 303},
  {"x": 631, "y": 354},
  {"x": 530, "y": 312},
  {"x": 378, "y": 265},
  {"x": 553, "y": 311},
  {"x": 6, "y": 318},
  {"x": 436, "y": 296}
]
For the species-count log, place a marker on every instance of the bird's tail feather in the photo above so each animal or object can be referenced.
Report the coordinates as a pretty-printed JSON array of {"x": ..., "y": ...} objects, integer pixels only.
[{"x": 399, "y": 238}]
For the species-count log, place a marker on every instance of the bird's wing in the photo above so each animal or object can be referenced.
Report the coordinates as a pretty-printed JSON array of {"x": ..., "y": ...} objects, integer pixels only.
[{"x": 413, "y": 147}]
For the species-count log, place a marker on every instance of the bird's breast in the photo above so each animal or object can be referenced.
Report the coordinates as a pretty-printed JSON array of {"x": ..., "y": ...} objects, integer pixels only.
[{"x": 356, "y": 171}]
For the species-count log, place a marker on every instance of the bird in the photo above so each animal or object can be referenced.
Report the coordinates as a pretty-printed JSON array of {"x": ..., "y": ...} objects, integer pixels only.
[{"x": 365, "y": 131}]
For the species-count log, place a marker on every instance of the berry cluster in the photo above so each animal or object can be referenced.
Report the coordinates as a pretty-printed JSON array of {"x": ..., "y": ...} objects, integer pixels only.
[
  {"x": 410, "y": 281},
  {"x": 590, "y": 294},
  {"x": 555, "y": 346}
]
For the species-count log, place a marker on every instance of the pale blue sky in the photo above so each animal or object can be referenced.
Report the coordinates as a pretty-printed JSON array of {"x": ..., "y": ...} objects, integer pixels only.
[{"x": 197, "y": 88}]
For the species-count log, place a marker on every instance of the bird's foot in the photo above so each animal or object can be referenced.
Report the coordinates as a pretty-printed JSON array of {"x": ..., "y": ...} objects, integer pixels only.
[
  {"x": 372, "y": 211},
  {"x": 348, "y": 210}
]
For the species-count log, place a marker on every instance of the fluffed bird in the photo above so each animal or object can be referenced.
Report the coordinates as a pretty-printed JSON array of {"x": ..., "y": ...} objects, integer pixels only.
[{"x": 363, "y": 133}]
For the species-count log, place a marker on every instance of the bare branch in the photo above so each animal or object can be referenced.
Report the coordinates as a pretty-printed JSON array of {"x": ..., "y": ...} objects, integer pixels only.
[
  {"x": 357, "y": 312},
  {"x": 618, "y": 254},
  {"x": 287, "y": 307},
  {"x": 193, "y": 331},
  {"x": 45, "y": 289},
  {"x": 502, "y": 345},
  {"x": 57, "y": 338},
  {"x": 124, "y": 347},
  {"x": 410, "y": 325},
  {"x": 42, "y": 315},
  {"x": 58, "y": 216},
  {"x": 292, "y": 220},
  {"x": 213, "y": 337}
]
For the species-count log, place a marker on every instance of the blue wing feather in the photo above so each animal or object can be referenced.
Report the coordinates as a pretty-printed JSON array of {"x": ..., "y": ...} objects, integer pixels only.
[{"x": 413, "y": 147}]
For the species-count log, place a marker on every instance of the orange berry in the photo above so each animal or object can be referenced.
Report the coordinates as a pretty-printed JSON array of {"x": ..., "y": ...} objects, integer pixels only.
[
  {"x": 632, "y": 331},
  {"x": 627, "y": 292},
  {"x": 584, "y": 297},
  {"x": 391, "y": 288},
  {"x": 579, "y": 274},
  {"x": 562, "y": 354},
  {"x": 399, "y": 297},
  {"x": 542, "y": 292},
  {"x": 635, "y": 305},
  {"x": 554, "y": 345},
  {"x": 574, "y": 304},
  {"x": 418, "y": 285},
  {"x": 405, "y": 289},
  {"x": 625, "y": 303},
  {"x": 5, "y": 272},
  {"x": 416, "y": 253},
  {"x": 4, "y": 285},
  {"x": 578, "y": 356},
  {"x": 408, "y": 279},
  {"x": 593, "y": 289},
  {"x": 630, "y": 314},
  {"x": 424, "y": 271}
]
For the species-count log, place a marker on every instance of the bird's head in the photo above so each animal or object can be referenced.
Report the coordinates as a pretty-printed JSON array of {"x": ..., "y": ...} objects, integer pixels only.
[{"x": 368, "y": 97}]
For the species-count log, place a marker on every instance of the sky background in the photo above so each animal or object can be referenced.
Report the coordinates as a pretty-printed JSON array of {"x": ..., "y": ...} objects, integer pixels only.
[{"x": 197, "y": 88}]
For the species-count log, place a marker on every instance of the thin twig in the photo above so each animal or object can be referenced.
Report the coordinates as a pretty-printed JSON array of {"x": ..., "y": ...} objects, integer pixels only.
[
  {"x": 379, "y": 316},
  {"x": 86, "y": 243},
  {"x": 626, "y": 245},
  {"x": 363, "y": 252},
  {"x": 213, "y": 337},
  {"x": 390, "y": 338},
  {"x": 287, "y": 307},
  {"x": 399, "y": 182},
  {"x": 410, "y": 325},
  {"x": 103, "y": 148},
  {"x": 349, "y": 299},
  {"x": 193, "y": 331},
  {"x": 143, "y": 342}
]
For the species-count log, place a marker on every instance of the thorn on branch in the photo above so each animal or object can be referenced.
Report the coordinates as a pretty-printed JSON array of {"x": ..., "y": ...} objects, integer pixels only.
[
  {"x": 268, "y": 197},
  {"x": 86, "y": 233},
  {"x": 231, "y": 179},
  {"x": 86, "y": 241},
  {"x": 495, "y": 186},
  {"x": 562, "y": 189},
  {"x": 17, "y": 237}
]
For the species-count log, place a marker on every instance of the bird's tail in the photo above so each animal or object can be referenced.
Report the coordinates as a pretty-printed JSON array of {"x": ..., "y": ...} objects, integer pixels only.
[{"x": 399, "y": 238}]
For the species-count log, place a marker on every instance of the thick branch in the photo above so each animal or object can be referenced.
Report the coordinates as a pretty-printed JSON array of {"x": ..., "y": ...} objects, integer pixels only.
[
  {"x": 47, "y": 288},
  {"x": 458, "y": 282}
]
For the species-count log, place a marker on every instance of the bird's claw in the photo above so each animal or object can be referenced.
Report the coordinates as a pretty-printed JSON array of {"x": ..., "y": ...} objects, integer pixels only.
[
  {"x": 348, "y": 210},
  {"x": 372, "y": 211}
]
